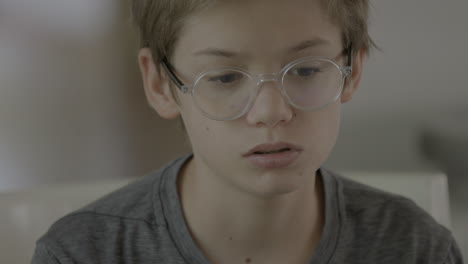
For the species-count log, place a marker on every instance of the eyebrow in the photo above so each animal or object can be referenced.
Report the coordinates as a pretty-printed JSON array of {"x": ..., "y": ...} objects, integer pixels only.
[
  {"x": 216, "y": 52},
  {"x": 296, "y": 48},
  {"x": 308, "y": 44}
]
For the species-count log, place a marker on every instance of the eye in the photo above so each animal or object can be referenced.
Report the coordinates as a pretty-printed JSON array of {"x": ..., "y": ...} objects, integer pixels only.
[
  {"x": 305, "y": 71},
  {"x": 226, "y": 78}
]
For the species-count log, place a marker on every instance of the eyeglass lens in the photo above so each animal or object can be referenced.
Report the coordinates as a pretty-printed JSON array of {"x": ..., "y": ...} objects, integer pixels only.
[{"x": 309, "y": 85}]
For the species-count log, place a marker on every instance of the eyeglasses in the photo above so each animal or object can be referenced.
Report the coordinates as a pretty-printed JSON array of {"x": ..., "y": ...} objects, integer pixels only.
[{"x": 309, "y": 84}]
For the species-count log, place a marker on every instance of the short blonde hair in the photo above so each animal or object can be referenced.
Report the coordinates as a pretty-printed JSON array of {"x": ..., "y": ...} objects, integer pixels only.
[{"x": 159, "y": 22}]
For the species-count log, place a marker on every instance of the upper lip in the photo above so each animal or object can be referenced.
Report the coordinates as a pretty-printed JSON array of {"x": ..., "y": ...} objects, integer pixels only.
[{"x": 272, "y": 147}]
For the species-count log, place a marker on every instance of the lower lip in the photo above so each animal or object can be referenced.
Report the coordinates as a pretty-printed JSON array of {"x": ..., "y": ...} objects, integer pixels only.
[{"x": 273, "y": 160}]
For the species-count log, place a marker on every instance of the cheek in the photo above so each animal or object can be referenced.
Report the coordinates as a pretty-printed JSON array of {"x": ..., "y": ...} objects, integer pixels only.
[
  {"x": 203, "y": 132},
  {"x": 323, "y": 129},
  {"x": 332, "y": 120}
]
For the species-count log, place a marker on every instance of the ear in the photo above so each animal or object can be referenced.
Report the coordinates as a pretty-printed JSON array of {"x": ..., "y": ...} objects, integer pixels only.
[
  {"x": 352, "y": 82},
  {"x": 157, "y": 88}
]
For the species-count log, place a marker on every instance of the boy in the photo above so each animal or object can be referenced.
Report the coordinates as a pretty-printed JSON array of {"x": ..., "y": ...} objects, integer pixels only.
[{"x": 258, "y": 85}]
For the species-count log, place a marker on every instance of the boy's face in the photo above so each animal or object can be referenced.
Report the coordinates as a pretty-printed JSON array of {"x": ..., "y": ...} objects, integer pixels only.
[{"x": 260, "y": 34}]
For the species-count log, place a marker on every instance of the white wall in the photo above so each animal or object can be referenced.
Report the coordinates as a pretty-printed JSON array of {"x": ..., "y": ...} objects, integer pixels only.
[
  {"x": 418, "y": 80},
  {"x": 422, "y": 68},
  {"x": 54, "y": 94},
  {"x": 68, "y": 110}
]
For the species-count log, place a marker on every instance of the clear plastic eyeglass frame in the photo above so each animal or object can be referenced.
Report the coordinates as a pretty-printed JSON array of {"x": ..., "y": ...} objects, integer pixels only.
[{"x": 260, "y": 79}]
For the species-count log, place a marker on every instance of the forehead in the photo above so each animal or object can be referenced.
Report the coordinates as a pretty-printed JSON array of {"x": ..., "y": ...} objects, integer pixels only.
[{"x": 258, "y": 26}]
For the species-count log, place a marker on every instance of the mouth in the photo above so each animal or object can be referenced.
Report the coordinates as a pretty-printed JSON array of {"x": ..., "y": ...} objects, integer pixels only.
[
  {"x": 272, "y": 152},
  {"x": 268, "y": 149},
  {"x": 273, "y": 156}
]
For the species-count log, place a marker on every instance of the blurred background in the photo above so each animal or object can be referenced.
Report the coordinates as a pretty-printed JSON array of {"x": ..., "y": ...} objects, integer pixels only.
[{"x": 72, "y": 107}]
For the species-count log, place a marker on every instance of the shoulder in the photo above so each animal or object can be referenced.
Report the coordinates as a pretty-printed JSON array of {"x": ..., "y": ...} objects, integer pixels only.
[
  {"x": 123, "y": 226},
  {"x": 133, "y": 202},
  {"x": 383, "y": 222},
  {"x": 129, "y": 205},
  {"x": 363, "y": 201},
  {"x": 131, "y": 212}
]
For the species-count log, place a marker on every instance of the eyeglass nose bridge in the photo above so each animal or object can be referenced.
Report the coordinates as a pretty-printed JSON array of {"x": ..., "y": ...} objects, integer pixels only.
[{"x": 266, "y": 77}]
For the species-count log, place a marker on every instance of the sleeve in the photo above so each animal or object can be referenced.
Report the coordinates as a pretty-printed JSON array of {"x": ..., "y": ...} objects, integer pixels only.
[
  {"x": 454, "y": 255},
  {"x": 42, "y": 255}
]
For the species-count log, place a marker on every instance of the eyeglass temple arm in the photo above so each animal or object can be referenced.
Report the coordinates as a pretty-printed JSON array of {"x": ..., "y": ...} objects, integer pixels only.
[
  {"x": 167, "y": 66},
  {"x": 349, "y": 53},
  {"x": 349, "y": 65}
]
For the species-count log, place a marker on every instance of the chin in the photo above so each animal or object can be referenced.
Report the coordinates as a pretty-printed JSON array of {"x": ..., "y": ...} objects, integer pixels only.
[{"x": 273, "y": 185}]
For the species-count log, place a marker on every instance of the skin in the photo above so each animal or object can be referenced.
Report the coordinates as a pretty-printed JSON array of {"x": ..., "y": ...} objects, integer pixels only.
[{"x": 238, "y": 213}]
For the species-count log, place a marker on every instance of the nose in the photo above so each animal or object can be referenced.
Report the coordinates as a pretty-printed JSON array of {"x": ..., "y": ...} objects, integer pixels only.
[{"x": 270, "y": 107}]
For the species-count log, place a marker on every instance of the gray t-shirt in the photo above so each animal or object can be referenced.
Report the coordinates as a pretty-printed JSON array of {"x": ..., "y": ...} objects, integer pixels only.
[{"x": 143, "y": 223}]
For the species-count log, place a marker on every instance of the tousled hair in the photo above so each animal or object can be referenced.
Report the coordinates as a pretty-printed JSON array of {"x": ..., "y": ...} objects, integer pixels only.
[{"x": 159, "y": 22}]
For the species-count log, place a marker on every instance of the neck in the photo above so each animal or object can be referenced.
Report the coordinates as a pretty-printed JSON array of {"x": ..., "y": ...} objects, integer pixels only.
[{"x": 229, "y": 224}]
